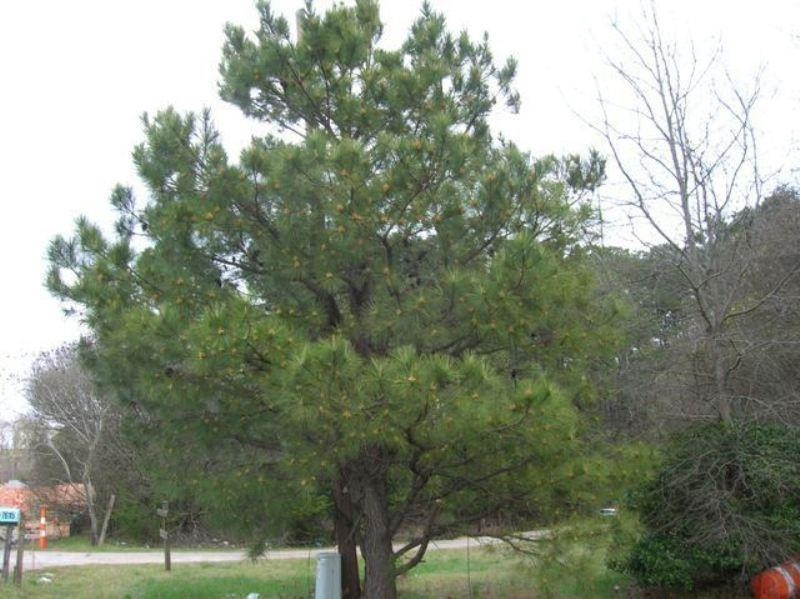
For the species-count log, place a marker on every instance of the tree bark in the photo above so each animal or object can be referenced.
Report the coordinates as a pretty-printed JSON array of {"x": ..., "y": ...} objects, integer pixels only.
[
  {"x": 106, "y": 518},
  {"x": 344, "y": 530},
  {"x": 89, "y": 490},
  {"x": 377, "y": 544},
  {"x": 721, "y": 397}
]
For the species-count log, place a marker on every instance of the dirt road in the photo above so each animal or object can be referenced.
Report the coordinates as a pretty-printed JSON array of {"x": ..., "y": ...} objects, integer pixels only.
[{"x": 40, "y": 560}]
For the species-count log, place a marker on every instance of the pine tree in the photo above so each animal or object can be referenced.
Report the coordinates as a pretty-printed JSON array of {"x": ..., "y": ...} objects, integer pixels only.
[{"x": 381, "y": 312}]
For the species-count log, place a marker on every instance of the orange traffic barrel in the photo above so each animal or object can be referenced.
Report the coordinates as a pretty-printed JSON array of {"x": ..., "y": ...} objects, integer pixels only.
[
  {"x": 42, "y": 527},
  {"x": 780, "y": 582}
]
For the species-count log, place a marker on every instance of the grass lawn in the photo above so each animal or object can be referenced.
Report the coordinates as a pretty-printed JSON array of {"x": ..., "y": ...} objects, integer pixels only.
[
  {"x": 83, "y": 545},
  {"x": 218, "y": 581},
  {"x": 490, "y": 573}
]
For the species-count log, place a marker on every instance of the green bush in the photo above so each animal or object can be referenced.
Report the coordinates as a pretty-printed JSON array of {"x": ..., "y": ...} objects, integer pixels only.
[
  {"x": 661, "y": 561},
  {"x": 724, "y": 504},
  {"x": 134, "y": 521}
]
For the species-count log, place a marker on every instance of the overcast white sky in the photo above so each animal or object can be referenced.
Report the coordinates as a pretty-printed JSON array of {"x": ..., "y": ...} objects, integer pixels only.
[{"x": 76, "y": 76}]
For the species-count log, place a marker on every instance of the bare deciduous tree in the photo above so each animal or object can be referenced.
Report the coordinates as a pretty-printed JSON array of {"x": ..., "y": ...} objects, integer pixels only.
[
  {"x": 78, "y": 425},
  {"x": 681, "y": 134}
]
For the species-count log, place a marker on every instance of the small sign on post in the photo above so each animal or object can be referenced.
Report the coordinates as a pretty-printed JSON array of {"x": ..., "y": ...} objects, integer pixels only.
[{"x": 9, "y": 518}]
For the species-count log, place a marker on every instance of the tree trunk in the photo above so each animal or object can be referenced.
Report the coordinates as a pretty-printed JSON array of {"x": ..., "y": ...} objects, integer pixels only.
[
  {"x": 344, "y": 529},
  {"x": 106, "y": 519},
  {"x": 721, "y": 397},
  {"x": 377, "y": 545},
  {"x": 87, "y": 486}
]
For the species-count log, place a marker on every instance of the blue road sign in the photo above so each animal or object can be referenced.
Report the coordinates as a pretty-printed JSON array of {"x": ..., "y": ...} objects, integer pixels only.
[{"x": 9, "y": 516}]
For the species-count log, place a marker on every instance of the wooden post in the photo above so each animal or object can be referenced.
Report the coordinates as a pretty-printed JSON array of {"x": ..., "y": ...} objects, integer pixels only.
[
  {"x": 7, "y": 552},
  {"x": 163, "y": 511},
  {"x": 20, "y": 551},
  {"x": 106, "y": 518}
]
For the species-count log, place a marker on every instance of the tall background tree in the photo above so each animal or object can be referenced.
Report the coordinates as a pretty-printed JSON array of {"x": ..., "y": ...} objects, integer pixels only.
[
  {"x": 382, "y": 313},
  {"x": 689, "y": 158}
]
